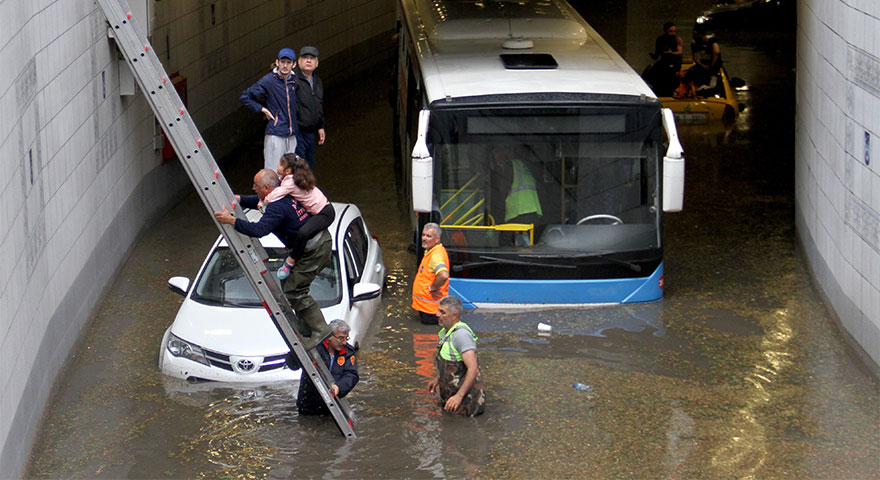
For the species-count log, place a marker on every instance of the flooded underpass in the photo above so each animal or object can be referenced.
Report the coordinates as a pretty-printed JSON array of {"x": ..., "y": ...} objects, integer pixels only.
[{"x": 740, "y": 372}]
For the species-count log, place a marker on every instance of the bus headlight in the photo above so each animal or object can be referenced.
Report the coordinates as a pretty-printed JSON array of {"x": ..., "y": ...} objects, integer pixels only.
[{"x": 182, "y": 348}]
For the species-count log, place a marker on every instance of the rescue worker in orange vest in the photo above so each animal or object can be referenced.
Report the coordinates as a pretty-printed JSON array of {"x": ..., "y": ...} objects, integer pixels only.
[{"x": 432, "y": 279}]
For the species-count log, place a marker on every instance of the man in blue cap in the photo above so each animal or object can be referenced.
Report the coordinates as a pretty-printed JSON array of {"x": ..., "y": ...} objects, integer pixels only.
[{"x": 275, "y": 96}]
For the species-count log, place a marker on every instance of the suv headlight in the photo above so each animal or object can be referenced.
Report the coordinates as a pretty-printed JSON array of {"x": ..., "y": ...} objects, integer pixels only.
[{"x": 182, "y": 348}]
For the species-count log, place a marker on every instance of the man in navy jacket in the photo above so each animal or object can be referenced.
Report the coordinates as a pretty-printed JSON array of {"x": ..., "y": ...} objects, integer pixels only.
[
  {"x": 338, "y": 355},
  {"x": 275, "y": 96},
  {"x": 284, "y": 218}
]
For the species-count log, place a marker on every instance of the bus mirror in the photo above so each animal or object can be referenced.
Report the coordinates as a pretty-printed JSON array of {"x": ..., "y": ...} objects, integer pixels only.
[
  {"x": 673, "y": 184},
  {"x": 673, "y": 166},
  {"x": 422, "y": 168}
]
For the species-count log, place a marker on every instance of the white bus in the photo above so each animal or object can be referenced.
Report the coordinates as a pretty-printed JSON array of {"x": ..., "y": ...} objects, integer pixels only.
[{"x": 545, "y": 158}]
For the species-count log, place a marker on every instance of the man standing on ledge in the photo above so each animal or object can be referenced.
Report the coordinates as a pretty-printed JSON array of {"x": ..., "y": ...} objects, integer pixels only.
[
  {"x": 458, "y": 373},
  {"x": 432, "y": 279},
  {"x": 277, "y": 92},
  {"x": 310, "y": 105}
]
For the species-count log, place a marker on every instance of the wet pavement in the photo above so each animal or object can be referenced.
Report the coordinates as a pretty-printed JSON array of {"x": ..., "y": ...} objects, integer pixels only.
[{"x": 739, "y": 372}]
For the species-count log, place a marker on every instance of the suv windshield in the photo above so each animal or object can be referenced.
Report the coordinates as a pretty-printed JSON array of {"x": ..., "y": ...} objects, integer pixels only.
[{"x": 223, "y": 281}]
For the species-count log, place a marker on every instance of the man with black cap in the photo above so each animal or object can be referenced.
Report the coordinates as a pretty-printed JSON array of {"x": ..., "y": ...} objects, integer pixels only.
[
  {"x": 275, "y": 96},
  {"x": 310, "y": 105}
]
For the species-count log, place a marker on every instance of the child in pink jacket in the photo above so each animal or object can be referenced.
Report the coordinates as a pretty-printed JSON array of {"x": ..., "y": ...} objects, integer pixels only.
[{"x": 298, "y": 181}]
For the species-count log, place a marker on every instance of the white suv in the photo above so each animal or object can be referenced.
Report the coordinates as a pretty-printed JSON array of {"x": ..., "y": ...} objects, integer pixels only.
[{"x": 223, "y": 333}]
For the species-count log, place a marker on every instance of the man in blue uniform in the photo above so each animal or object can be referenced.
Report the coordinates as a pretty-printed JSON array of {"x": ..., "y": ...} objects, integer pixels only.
[{"x": 338, "y": 355}]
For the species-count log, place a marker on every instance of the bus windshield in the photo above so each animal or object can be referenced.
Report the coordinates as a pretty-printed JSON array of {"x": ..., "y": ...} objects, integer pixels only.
[{"x": 548, "y": 188}]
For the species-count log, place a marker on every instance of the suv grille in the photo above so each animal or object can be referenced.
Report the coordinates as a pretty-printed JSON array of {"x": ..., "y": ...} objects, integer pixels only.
[{"x": 221, "y": 360}]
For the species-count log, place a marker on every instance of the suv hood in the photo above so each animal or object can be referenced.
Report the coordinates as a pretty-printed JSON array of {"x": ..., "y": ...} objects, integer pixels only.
[{"x": 247, "y": 332}]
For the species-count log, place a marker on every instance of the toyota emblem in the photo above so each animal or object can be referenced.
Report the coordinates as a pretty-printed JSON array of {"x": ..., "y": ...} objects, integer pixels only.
[{"x": 245, "y": 365}]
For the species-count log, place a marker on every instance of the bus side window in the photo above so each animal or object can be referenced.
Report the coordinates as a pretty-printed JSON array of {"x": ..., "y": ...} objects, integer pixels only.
[{"x": 413, "y": 106}]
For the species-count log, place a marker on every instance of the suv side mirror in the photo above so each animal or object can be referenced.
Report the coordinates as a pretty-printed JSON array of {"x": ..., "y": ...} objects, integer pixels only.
[
  {"x": 179, "y": 285},
  {"x": 365, "y": 291}
]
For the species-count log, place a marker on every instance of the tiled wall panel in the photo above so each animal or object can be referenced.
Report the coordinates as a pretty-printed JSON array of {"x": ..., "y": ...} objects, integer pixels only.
[{"x": 838, "y": 160}]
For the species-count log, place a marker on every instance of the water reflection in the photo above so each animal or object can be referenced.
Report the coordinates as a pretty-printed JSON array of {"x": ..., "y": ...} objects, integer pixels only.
[
  {"x": 590, "y": 321},
  {"x": 236, "y": 431},
  {"x": 746, "y": 449}
]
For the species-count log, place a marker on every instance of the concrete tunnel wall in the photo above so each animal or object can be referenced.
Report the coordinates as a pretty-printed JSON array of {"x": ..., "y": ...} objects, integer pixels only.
[
  {"x": 82, "y": 177},
  {"x": 837, "y": 172}
]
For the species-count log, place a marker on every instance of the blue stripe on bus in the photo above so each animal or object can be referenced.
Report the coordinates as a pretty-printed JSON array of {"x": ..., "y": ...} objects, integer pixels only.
[{"x": 619, "y": 290}]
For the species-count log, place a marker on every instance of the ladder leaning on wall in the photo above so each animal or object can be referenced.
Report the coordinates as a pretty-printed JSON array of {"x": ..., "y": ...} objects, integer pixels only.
[{"x": 216, "y": 194}]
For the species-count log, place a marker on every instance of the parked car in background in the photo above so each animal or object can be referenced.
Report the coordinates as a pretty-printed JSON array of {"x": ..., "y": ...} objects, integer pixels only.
[
  {"x": 773, "y": 15},
  {"x": 222, "y": 332},
  {"x": 700, "y": 107}
]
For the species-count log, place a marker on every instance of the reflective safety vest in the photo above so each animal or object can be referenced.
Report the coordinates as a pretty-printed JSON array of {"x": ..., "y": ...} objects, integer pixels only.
[
  {"x": 422, "y": 300},
  {"x": 447, "y": 349},
  {"x": 523, "y": 196}
]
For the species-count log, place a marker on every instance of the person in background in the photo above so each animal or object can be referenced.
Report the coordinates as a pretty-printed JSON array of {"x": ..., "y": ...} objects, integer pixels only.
[
  {"x": 338, "y": 355},
  {"x": 668, "y": 51},
  {"x": 511, "y": 178},
  {"x": 310, "y": 105},
  {"x": 275, "y": 96},
  {"x": 458, "y": 381},
  {"x": 707, "y": 59},
  {"x": 432, "y": 278}
]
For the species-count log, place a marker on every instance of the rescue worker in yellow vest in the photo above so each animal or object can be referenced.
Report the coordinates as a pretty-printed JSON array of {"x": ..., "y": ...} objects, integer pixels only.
[
  {"x": 522, "y": 200},
  {"x": 458, "y": 373},
  {"x": 513, "y": 179},
  {"x": 432, "y": 279}
]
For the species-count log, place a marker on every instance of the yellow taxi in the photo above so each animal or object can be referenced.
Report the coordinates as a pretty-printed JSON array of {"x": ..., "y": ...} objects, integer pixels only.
[{"x": 706, "y": 105}]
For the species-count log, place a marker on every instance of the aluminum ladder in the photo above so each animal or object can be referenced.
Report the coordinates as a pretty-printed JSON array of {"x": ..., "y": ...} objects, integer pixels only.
[{"x": 216, "y": 194}]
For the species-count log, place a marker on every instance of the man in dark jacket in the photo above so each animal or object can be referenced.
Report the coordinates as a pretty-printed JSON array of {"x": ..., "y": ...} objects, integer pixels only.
[
  {"x": 310, "y": 105},
  {"x": 275, "y": 96},
  {"x": 339, "y": 358},
  {"x": 284, "y": 218}
]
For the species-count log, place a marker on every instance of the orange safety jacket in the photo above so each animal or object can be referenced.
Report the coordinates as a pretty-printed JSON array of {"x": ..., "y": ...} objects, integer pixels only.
[{"x": 422, "y": 300}]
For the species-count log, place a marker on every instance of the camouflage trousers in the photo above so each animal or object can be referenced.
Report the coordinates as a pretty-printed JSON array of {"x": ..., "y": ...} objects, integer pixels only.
[{"x": 451, "y": 375}]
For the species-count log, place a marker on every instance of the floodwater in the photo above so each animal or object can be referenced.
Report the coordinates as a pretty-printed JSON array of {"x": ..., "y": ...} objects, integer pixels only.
[{"x": 739, "y": 372}]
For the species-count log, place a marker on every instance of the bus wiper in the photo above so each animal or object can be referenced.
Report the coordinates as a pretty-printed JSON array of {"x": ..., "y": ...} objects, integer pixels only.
[
  {"x": 603, "y": 256},
  {"x": 494, "y": 260}
]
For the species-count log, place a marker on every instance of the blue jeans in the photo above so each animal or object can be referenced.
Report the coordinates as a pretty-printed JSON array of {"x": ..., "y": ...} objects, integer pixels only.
[{"x": 305, "y": 146}]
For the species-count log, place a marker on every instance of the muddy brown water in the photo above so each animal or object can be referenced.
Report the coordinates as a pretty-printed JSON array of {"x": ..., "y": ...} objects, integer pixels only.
[{"x": 738, "y": 373}]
